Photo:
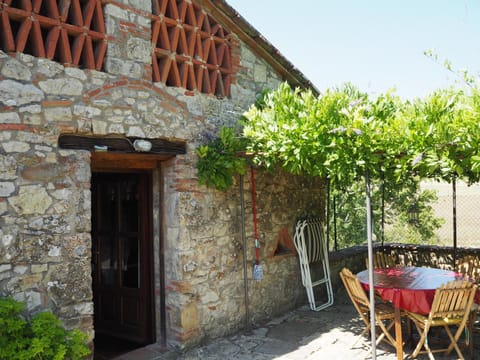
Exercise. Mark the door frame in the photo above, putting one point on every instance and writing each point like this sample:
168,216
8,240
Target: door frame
132,162
143,293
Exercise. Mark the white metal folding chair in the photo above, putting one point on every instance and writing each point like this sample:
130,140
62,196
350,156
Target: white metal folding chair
311,246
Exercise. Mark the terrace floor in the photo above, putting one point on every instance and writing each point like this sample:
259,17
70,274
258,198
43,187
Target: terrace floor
298,335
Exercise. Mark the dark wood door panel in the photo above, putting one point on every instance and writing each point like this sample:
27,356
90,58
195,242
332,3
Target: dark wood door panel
121,251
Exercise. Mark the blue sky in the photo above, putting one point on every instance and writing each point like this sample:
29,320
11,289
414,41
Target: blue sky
374,44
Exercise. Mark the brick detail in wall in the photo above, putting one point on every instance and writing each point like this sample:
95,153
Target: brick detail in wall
191,50
66,31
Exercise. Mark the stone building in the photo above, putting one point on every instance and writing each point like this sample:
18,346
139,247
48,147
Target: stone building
102,105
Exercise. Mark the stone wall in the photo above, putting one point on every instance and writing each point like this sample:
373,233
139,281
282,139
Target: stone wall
207,251
45,204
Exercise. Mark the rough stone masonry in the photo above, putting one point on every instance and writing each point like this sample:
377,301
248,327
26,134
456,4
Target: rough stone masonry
45,198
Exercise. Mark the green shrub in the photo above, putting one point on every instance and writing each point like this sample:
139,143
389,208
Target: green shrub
41,338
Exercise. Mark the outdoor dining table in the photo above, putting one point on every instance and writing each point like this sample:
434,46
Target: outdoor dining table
407,288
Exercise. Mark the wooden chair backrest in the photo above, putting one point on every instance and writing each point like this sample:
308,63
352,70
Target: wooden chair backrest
470,267
381,260
355,291
453,300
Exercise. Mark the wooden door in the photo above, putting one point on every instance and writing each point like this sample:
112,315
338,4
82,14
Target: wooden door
121,255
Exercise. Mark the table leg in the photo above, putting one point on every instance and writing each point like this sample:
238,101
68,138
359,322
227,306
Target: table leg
398,334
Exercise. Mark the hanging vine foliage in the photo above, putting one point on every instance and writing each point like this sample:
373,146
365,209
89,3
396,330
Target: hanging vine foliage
219,161
343,133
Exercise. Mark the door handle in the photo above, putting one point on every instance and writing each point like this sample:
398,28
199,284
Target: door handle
95,255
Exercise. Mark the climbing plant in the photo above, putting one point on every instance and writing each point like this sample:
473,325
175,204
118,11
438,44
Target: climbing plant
444,136
219,159
342,133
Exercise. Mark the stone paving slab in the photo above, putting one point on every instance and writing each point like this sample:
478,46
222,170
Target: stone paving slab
301,334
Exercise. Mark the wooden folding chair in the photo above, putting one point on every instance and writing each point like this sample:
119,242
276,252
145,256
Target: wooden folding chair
381,260
469,266
452,306
383,312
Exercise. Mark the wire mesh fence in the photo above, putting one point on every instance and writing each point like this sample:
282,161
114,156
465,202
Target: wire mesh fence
467,217
436,213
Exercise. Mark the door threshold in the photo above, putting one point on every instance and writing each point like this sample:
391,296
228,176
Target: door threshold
109,347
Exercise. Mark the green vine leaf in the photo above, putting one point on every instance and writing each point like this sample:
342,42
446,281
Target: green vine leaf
342,133
219,160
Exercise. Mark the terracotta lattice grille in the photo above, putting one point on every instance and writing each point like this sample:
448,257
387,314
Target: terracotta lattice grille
66,31
191,50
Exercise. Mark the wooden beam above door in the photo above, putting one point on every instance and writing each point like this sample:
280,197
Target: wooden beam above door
120,143
110,160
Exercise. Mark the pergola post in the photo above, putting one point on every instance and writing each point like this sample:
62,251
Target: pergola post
370,264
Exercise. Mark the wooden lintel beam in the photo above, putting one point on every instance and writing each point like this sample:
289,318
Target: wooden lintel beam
108,161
